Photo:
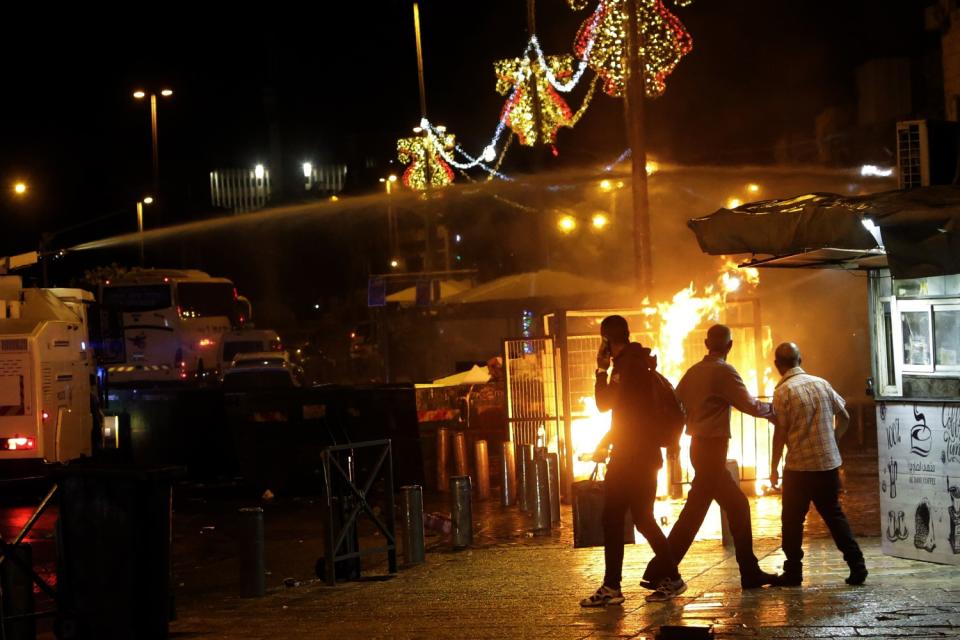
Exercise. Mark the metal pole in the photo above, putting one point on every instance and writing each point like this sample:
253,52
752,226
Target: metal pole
140,228
423,90
411,505
156,156
252,569
540,509
508,475
460,454
643,265
427,138
443,447
553,477
482,469
566,462
461,512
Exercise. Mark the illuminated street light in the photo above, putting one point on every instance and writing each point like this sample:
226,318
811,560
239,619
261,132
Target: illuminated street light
140,94
307,169
600,221
606,185
753,187
334,199
394,264
392,178
733,203
20,188
652,167
258,172
567,224
148,200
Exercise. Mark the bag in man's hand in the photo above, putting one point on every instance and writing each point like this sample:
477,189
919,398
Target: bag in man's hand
667,411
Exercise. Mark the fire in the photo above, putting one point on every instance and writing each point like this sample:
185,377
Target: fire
669,325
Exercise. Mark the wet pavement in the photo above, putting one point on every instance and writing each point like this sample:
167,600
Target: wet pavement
512,584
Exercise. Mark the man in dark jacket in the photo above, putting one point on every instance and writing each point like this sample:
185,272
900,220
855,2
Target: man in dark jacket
635,459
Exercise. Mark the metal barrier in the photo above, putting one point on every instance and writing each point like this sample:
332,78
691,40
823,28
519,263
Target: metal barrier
342,488
12,552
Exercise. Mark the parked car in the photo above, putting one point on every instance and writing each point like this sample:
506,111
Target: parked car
261,370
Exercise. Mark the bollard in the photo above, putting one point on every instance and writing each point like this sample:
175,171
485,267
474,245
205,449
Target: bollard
252,571
524,475
540,499
460,453
553,477
443,452
531,481
508,475
725,534
411,510
674,473
481,465
16,591
461,512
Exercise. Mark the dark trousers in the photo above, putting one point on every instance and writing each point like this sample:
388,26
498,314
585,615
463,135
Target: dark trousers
800,488
711,481
634,488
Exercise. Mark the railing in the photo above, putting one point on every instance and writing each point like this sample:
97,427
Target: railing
347,497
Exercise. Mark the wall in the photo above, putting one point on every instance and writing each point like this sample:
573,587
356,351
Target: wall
919,473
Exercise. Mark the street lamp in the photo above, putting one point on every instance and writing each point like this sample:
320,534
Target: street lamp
140,94
146,200
600,221
20,188
567,224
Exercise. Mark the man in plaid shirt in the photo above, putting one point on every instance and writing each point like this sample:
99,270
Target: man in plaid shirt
806,406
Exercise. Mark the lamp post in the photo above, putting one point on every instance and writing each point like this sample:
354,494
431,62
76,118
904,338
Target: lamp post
393,234
141,95
147,200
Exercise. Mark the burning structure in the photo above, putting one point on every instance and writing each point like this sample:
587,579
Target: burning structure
550,379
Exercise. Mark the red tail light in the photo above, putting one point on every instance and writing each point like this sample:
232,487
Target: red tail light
17,443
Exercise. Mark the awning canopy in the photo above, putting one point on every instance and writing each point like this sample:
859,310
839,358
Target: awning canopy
916,230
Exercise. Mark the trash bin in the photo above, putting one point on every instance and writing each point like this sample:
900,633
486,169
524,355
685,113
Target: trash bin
113,552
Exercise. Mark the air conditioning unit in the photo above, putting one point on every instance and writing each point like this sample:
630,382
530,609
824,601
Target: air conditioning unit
927,153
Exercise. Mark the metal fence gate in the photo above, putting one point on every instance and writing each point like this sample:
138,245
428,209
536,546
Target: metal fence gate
533,416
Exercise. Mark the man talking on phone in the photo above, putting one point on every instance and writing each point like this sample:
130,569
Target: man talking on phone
632,445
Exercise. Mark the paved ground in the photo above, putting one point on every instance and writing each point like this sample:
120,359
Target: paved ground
514,585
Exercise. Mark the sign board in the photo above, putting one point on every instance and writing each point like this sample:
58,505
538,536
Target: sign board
919,457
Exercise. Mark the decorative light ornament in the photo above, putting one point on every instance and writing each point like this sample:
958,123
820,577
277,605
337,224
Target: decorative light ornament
602,42
519,112
425,153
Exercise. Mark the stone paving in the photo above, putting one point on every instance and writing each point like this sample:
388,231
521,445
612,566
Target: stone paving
515,585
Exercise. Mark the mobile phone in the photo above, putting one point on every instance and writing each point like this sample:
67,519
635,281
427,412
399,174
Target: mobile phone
604,346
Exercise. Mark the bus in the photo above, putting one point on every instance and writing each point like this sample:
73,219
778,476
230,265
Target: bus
164,325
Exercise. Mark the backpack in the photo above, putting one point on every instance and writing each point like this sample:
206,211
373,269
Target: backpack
667,412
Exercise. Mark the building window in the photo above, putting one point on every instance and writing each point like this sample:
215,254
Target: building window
930,331
946,336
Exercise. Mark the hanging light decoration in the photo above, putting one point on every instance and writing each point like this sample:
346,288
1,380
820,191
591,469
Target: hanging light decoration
518,76
602,42
424,155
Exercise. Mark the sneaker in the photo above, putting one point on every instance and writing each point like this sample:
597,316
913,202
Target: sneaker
758,579
858,575
668,589
603,596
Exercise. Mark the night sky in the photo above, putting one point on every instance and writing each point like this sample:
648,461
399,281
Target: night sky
342,81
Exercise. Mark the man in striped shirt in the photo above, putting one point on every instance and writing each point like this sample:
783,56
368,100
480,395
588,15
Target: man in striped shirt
806,406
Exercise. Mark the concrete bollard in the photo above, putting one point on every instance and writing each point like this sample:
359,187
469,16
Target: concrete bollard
508,475
443,453
461,462
481,464
252,569
553,477
16,591
411,510
540,498
461,512
726,536
525,476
